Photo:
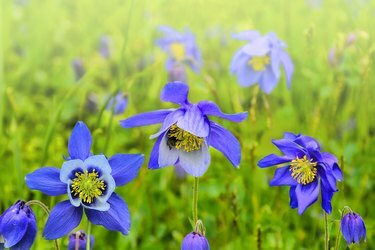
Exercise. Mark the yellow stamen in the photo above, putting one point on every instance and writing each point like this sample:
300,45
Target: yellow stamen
87,186
179,138
177,51
259,63
303,170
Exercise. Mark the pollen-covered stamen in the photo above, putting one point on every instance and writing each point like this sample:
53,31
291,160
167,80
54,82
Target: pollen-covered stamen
87,186
181,139
303,170
177,51
259,63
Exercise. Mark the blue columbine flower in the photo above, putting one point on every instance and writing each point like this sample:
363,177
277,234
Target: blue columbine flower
79,239
308,171
90,181
186,132
353,228
180,47
259,61
195,241
118,103
18,226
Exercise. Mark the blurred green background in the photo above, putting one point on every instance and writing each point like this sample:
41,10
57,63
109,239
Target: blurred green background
41,100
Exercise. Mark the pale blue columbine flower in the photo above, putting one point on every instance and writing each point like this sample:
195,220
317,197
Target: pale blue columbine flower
181,48
187,132
353,228
260,59
89,181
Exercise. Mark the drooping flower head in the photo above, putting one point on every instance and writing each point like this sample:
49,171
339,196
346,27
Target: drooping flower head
195,241
118,103
90,181
18,226
77,241
187,132
353,228
260,59
181,48
304,168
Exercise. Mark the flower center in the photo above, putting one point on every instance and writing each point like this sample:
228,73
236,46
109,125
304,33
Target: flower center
303,170
87,186
181,139
177,51
259,63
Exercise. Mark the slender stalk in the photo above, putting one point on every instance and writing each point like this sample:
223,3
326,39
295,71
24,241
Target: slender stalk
88,235
326,231
195,200
46,210
337,244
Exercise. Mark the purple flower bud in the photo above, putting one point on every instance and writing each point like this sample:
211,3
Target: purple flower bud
77,241
177,73
18,226
195,241
78,68
353,228
104,46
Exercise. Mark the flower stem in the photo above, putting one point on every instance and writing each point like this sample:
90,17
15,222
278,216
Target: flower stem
338,238
46,210
88,235
195,200
326,231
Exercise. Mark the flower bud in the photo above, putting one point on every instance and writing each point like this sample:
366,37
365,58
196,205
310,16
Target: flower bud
353,228
195,241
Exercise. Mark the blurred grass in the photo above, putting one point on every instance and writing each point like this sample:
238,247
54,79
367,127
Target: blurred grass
40,101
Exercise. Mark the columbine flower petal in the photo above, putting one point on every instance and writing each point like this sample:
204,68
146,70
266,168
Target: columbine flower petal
272,160
29,237
326,200
293,197
258,47
210,108
248,77
167,155
169,120
283,177
248,35
63,218
14,224
117,218
176,92
144,119
154,156
125,167
289,148
268,81
194,122
306,195
288,65
66,172
80,142
46,180
195,162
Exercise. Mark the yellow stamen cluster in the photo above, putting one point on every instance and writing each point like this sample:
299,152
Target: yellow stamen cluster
177,51
87,186
259,63
181,139
303,170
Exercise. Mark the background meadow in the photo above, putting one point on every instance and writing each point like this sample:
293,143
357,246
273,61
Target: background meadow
41,100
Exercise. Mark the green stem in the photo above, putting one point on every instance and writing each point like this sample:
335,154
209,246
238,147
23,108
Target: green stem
88,233
326,231
195,200
338,238
45,209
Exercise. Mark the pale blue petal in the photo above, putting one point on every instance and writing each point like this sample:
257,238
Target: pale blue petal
144,119
195,162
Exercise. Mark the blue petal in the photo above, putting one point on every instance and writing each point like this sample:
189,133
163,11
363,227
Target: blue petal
194,122
248,35
195,162
275,61
176,92
68,167
225,142
328,181
99,162
307,142
293,197
306,195
268,81
210,108
331,161
283,177
125,167
288,66
80,142
46,180
258,47
29,237
144,119
153,163
290,136
326,200
289,148
13,225
346,229
62,219
169,120
117,218
168,156
246,76
272,160
239,58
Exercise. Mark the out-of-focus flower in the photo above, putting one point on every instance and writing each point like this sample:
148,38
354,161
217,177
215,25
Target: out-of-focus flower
177,73
18,226
187,132
78,68
308,171
337,53
353,228
118,103
77,241
195,241
91,102
180,47
90,181
260,59
104,46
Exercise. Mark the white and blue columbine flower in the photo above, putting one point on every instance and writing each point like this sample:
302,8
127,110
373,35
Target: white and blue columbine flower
90,181
187,132
260,59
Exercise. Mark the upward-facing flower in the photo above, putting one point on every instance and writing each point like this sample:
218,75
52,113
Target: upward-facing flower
307,171
187,132
353,228
260,59
90,181
18,226
180,47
